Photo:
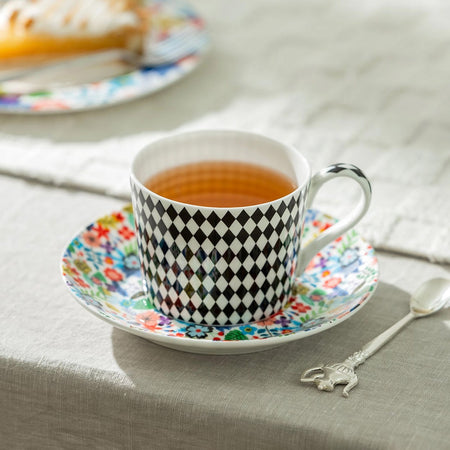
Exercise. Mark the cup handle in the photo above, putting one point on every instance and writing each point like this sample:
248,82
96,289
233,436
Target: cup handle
339,228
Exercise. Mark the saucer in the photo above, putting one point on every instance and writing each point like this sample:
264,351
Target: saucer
176,16
101,268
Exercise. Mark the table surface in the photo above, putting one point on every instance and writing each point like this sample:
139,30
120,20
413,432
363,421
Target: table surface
69,380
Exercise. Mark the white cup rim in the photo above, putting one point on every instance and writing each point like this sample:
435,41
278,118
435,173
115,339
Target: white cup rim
288,148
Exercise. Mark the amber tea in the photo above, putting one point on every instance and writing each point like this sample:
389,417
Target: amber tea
222,184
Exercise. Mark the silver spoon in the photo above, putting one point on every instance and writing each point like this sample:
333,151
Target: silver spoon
429,298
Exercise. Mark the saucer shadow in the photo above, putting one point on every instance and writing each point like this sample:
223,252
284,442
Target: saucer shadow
259,396
146,363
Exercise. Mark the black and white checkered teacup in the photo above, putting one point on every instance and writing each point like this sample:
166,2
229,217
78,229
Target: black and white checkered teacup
224,266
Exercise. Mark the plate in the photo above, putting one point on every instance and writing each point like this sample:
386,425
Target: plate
101,268
175,17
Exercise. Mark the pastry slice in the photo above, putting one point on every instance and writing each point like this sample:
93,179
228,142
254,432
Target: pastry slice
43,29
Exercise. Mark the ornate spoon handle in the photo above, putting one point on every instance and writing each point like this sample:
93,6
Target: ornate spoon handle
375,344
327,376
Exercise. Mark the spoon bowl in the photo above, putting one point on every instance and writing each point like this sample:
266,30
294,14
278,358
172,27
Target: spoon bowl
430,297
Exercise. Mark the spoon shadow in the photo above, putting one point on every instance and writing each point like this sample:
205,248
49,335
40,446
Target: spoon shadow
240,392
148,364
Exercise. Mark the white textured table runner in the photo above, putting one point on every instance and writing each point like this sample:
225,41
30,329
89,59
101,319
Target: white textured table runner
348,81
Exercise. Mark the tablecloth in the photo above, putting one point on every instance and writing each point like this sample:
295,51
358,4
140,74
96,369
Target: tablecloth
365,82
69,380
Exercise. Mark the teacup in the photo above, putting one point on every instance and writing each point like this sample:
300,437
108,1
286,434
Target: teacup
241,265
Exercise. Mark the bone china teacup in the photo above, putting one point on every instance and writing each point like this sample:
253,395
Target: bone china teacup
225,266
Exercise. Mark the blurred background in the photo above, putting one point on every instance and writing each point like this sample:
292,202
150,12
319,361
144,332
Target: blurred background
344,81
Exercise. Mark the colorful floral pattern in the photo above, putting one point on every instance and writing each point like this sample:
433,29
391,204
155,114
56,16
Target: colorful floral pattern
173,16
101,268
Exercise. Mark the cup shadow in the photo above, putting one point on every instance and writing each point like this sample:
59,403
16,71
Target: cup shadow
147,364
260,395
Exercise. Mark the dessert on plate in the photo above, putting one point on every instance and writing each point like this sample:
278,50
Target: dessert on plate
33,30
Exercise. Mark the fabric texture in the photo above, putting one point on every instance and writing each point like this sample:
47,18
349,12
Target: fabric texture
69,380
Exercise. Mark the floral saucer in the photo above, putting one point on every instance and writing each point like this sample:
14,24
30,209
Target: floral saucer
173,18
101,268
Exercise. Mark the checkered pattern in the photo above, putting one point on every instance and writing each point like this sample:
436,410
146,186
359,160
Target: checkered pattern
217,267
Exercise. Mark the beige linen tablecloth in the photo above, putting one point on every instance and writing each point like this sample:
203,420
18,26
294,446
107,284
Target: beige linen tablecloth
361,82
69,380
